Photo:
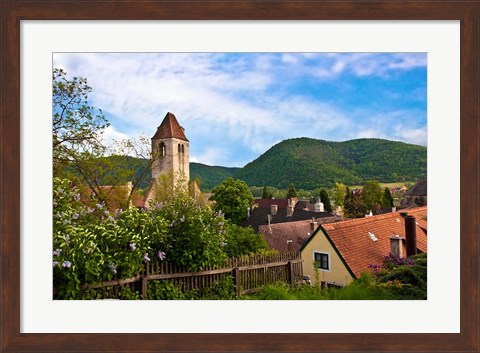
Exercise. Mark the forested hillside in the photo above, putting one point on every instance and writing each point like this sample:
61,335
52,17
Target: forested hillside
210,176
310,163
305,162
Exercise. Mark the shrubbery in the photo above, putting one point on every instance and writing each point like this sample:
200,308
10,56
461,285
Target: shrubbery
92,244
396,279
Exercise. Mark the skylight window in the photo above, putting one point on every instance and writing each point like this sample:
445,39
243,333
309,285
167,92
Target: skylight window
372,236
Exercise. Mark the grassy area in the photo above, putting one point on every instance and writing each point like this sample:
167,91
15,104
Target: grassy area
387,185
355,291
399,279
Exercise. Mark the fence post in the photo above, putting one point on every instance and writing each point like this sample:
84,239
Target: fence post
144,287
290,271
236,272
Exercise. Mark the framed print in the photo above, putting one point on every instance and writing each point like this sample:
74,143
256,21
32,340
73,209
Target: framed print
446,32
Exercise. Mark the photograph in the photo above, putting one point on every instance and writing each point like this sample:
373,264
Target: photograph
246,176
239,176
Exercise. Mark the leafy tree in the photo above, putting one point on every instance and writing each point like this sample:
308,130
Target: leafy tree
77,126
195,234
325,200
352,205
292,192
266,193
339,192
371,195
243,241
387,200
232,197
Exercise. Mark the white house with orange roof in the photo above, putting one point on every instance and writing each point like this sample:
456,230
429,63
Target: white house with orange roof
342,251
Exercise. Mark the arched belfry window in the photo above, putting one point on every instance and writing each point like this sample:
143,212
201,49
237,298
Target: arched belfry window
183,148
162,150
179,148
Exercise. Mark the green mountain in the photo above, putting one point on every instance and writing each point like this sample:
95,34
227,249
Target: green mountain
126,168
210,176
305,162
310,163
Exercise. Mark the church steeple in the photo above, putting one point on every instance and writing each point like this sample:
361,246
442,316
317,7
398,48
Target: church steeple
170,149
170,128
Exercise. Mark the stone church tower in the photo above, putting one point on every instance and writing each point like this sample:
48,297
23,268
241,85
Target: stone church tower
170,149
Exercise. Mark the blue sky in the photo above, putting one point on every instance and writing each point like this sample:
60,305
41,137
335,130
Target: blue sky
235,106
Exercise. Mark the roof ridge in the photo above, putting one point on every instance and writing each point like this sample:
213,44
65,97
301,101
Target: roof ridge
372,218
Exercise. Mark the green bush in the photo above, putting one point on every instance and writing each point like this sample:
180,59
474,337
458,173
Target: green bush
95,245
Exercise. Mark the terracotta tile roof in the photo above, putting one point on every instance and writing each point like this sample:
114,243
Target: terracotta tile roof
281,203
355,239
113,193
170,128
278,234
266,203
138,200
259,217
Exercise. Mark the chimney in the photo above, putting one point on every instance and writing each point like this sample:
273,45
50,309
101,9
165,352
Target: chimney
269,219
394,209
273,209
290,210
293,201
289,245
313,224
396,246
319,206
410,235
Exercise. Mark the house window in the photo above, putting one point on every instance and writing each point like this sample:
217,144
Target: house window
322,260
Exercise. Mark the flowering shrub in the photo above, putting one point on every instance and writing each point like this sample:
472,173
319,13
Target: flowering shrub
94,245
390,261
195,234
406,278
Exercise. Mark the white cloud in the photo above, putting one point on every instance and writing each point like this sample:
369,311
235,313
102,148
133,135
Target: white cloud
209,156
416,136
368,64
367,133
110,134
231,103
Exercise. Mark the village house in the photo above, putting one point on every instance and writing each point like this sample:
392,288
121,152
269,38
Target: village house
290,236
344,250
417,195
273,211
116,196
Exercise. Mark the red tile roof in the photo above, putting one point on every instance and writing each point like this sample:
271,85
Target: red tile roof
138,200
281,203
354,241
170,128
278,234
266,203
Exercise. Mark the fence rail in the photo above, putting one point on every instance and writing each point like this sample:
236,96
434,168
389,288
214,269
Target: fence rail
249,274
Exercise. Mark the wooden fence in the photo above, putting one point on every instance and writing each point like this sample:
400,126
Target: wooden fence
249,274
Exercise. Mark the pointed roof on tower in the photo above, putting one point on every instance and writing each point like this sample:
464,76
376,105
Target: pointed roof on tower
170,128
